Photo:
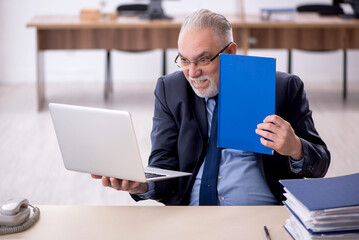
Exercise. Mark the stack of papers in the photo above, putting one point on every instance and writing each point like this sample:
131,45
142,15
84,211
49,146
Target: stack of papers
278,14
326,208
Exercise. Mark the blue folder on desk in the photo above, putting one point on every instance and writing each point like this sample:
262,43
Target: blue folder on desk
323,208
246,97
325,193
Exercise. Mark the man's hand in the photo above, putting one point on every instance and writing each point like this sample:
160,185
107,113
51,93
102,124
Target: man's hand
279,135
123,185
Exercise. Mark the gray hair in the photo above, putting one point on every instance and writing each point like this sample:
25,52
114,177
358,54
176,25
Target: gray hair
203,18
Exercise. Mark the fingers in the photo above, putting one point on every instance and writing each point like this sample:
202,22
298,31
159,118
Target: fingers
106,181
119,184
279,135
267,143
274,128
122,185
115,183
96,176
270,131
274,119
267,135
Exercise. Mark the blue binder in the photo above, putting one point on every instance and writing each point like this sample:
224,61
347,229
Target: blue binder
246,97
330,206
325,193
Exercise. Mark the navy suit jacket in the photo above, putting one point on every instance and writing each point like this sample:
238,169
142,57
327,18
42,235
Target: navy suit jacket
179,136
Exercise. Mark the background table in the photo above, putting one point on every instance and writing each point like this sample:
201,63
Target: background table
307,32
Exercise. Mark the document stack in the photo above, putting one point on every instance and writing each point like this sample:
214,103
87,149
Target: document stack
325,208
278,14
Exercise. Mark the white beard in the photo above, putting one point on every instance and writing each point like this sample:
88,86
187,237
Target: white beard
210,91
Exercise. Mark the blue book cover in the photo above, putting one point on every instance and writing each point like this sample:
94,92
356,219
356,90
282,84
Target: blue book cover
325,193
246,97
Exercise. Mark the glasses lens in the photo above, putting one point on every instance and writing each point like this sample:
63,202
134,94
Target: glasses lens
178,61
184,63
204,61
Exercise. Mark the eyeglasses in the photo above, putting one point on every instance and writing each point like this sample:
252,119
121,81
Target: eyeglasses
203,61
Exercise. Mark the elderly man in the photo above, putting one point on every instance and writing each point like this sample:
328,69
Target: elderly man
185,102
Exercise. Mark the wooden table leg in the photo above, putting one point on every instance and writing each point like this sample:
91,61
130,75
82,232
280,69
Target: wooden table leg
164,62
289,60
40,74
344,74
108,77
40,80
245,41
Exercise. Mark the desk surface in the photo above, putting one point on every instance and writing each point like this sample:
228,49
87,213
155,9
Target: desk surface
301,20
115,222
73,21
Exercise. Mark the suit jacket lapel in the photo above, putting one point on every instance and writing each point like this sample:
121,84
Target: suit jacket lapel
199,112
198,108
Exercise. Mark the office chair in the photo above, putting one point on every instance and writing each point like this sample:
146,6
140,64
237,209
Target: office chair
127,9
354,5
135,8
323,9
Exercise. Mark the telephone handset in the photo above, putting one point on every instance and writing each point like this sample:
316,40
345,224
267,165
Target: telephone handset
15,216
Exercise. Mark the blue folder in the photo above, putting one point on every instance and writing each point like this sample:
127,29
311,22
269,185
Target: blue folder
340,195
325,193
246,97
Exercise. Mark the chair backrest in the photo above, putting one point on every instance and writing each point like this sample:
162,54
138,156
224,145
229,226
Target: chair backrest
322,9
132,8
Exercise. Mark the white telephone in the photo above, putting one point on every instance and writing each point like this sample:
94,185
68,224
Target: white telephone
15,216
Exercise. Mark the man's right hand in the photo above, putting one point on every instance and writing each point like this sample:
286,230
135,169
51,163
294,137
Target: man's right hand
122,185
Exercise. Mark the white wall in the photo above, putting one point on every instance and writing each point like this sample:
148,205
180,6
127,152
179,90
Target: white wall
17,45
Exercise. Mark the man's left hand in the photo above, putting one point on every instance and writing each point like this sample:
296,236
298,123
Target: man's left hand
279,135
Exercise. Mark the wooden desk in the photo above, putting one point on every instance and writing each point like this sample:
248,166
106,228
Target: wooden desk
100,222
126,33
306,32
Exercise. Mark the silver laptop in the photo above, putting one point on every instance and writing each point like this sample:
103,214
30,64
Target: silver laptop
102,142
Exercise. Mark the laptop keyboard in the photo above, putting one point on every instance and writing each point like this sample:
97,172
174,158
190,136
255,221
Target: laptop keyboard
153,175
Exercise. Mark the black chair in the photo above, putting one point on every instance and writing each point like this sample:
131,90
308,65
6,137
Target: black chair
132,9
323,9
354,5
